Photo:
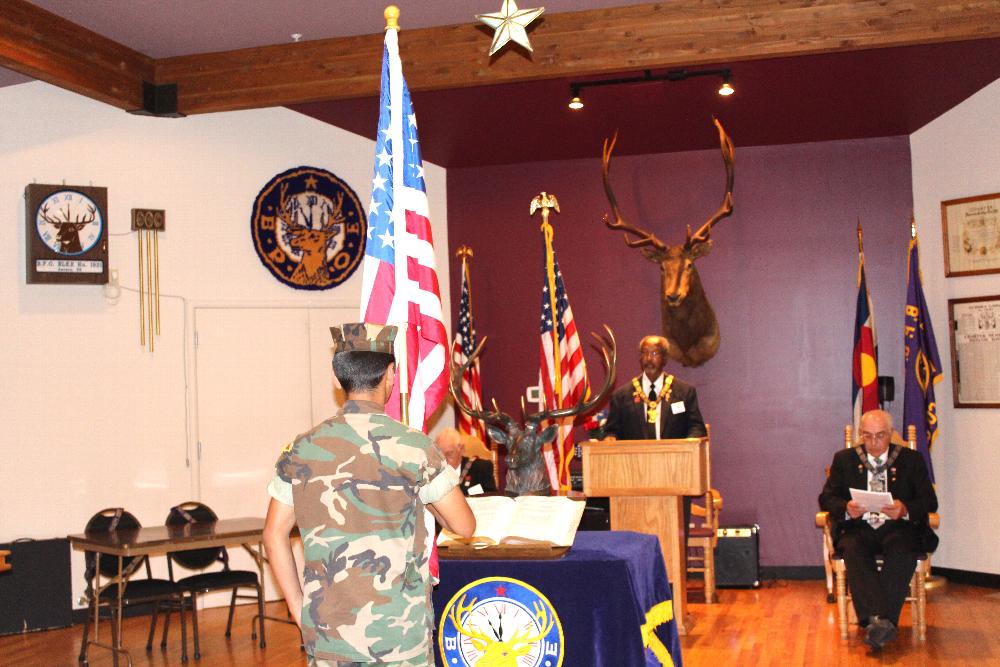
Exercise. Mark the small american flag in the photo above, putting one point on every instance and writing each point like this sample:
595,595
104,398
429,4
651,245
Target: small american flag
462,348
572,368
400,284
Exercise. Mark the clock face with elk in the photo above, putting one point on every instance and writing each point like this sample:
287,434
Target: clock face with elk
67,234
499,620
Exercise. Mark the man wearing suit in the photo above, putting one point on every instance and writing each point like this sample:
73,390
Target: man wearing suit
899,531
655,406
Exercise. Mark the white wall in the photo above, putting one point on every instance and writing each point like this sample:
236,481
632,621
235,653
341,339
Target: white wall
89,418
958,155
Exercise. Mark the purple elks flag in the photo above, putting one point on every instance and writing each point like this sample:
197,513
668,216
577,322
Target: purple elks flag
923,365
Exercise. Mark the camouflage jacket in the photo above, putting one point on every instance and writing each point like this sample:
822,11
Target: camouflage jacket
359,482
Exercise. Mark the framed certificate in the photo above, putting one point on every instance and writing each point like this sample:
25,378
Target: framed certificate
971,232
974,324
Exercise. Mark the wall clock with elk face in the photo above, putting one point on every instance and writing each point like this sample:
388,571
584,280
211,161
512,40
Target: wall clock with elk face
67,234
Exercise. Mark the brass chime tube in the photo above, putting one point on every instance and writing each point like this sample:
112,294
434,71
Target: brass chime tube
156,273
149,282
142,295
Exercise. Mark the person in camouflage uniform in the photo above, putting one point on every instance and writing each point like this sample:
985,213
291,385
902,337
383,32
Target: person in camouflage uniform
357,485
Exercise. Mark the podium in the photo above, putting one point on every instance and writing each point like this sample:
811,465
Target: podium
645,480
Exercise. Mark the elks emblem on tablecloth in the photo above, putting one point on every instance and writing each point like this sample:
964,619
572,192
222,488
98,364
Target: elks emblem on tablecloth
309,228
500,621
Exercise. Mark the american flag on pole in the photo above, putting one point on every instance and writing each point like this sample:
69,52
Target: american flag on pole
560,333
864,366
400,284
462,348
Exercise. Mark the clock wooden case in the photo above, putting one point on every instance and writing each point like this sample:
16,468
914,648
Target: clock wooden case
66,232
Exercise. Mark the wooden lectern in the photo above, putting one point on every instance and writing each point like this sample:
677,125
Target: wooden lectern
645,480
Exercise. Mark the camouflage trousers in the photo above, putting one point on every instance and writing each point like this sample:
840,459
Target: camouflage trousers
425,661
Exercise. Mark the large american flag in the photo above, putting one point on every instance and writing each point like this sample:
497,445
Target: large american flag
572,368
462,348
400,284
864,364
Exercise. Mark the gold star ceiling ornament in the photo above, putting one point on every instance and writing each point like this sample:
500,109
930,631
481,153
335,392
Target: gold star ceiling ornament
509,24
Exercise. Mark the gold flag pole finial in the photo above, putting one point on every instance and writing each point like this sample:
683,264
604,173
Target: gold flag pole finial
860,246
464,252
913,226
391,15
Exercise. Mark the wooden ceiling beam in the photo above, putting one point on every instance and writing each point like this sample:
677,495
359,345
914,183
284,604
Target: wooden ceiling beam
47,47
683,33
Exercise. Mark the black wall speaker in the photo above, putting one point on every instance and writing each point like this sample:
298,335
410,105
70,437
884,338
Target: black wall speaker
737,557
886,389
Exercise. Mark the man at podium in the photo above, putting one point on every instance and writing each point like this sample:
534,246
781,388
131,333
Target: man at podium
655,406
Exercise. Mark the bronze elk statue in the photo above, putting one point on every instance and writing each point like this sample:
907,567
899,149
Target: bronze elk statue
525,463
689,323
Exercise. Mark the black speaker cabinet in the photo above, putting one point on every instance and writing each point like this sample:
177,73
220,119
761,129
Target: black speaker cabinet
35,593
737,557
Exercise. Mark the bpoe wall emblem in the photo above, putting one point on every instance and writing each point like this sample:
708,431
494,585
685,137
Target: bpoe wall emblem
500,621
309,228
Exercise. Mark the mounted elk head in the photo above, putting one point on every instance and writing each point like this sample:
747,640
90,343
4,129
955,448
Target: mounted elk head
689,322
525,466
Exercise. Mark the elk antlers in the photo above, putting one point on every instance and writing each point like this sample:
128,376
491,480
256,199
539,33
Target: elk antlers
645,238
496,417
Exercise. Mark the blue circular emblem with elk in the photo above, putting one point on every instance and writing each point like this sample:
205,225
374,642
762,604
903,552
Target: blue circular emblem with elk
309,228
500,622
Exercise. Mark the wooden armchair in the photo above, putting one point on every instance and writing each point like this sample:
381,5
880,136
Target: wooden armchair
836,570
703,531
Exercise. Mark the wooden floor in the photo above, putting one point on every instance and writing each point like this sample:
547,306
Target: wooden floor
783,623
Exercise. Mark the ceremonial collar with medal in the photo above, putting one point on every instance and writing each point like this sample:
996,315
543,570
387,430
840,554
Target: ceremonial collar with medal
872,468
652,407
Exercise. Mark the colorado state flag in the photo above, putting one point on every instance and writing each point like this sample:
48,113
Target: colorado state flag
864,371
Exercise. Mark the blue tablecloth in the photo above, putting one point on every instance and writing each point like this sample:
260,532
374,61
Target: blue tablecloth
610,591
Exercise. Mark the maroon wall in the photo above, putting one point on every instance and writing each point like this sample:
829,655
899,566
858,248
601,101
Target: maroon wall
781,278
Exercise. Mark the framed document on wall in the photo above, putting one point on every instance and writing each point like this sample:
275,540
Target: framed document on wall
971,232
974,324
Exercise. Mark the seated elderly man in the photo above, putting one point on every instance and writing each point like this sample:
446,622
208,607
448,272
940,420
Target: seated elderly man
471,458
898,532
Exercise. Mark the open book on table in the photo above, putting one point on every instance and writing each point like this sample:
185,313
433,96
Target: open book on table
525,520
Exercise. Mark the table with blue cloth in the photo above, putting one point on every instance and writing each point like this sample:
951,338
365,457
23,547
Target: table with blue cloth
610,593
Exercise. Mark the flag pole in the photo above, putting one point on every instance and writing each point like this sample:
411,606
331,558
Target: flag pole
391,15
545,202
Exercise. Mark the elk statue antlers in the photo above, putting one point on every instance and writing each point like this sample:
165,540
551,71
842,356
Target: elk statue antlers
525,466
689,323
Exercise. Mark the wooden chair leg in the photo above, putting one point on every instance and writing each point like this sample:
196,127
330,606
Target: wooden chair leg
841,583
710,596
831,595
920,602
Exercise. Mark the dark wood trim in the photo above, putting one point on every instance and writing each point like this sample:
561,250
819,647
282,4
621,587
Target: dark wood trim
42,45
799,572
982,579
571,44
